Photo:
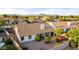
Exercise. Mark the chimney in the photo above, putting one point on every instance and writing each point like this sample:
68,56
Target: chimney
68,23
42,26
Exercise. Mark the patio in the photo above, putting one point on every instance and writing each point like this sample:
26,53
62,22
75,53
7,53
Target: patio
37,45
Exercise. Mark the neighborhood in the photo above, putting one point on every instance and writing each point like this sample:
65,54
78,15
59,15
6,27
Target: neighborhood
37,34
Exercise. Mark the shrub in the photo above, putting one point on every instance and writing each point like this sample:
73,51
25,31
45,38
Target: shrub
10,47
56,44
56,39
47,39
59,38
37,38
8,42
73,44
58,31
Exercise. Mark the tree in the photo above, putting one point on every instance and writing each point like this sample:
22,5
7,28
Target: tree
73,34
37,38
10,47
58,31
73,44
47,39
1,22
8,42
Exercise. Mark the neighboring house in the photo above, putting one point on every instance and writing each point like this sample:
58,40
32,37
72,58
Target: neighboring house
65,25
9,21
1,37
27,32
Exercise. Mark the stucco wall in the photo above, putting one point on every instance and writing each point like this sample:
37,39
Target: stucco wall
26,38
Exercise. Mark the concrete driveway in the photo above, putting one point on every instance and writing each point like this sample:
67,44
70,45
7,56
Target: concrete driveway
37,45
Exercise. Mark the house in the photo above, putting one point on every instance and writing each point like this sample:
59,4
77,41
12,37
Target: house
27,32
9,21
65,25
1,37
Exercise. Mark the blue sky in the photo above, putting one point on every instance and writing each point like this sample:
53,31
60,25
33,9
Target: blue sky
30,11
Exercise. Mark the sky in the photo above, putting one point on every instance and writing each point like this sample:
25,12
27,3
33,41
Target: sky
35,11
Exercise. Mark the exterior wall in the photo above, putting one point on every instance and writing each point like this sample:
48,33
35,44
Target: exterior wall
1,39
26,38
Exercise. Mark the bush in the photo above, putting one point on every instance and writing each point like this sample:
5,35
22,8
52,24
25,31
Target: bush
37,38
73,44
47,39
8,42
56,38
56,44
10,47
59,38
58,31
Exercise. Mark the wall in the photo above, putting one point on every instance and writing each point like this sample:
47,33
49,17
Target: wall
1,39
26,38
61,47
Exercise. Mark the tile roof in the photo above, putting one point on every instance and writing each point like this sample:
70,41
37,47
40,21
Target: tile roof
32,29
64,24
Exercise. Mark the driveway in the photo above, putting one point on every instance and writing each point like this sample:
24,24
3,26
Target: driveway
37,45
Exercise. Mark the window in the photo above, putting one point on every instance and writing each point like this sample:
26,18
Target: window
30,36
22,38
